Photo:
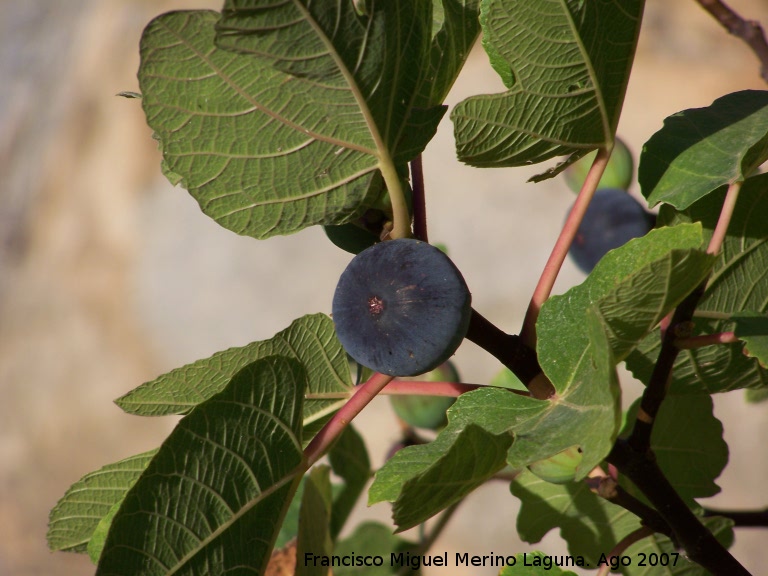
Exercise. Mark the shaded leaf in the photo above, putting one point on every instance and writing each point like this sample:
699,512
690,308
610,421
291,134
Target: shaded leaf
737,284
78,513
566,66
752,329
663,549
458,461
221,481
687,440
99,536
700,149
349,460
314,522
534,564
589,524
311,339
633,287
376,540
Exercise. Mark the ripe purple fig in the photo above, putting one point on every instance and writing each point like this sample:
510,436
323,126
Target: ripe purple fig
401,307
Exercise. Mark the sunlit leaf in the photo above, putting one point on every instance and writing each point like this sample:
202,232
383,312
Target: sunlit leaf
566,66
700,149
220,482
310,339
78,513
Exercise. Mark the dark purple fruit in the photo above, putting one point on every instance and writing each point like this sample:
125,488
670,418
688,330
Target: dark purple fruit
613,218
401,307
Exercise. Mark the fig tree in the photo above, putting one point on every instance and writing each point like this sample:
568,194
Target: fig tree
401,307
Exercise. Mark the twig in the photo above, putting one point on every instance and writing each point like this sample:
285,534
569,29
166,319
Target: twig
706,340
560,251
609,489
512,352
336,425
750,31
654,393
419,200
742,518
699,543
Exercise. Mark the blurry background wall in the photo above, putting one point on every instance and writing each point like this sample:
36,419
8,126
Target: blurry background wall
109,276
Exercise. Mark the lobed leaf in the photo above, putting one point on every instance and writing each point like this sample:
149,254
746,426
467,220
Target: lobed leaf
700,149
632,288
737,283
589,524
566,67
77,514
277,117
213,497
687,440
489,428
311,339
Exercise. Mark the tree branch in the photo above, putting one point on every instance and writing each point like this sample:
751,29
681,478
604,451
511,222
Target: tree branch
750,31
419,200
699,543
742,518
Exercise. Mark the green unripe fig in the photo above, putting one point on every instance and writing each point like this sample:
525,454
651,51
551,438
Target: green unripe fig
560,468
427,411
618,173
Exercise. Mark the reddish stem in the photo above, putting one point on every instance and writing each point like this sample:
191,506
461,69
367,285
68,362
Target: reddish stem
706,340
560,251
336,425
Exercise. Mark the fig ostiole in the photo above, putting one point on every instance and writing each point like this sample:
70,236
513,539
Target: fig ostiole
560,468
401,307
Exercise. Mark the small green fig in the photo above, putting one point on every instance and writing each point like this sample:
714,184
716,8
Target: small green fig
560,468
422,411
618,173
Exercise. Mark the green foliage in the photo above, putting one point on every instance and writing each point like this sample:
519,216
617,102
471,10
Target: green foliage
565,90
280,116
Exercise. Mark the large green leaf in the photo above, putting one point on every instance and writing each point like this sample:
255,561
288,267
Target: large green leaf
75,517
277,117
455,27
701,149
738,283
213,498
566,65
687,440
589,524
424,479
310,339
478,440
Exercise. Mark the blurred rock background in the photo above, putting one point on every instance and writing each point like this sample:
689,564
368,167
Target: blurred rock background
109,276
